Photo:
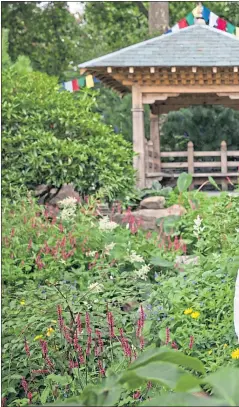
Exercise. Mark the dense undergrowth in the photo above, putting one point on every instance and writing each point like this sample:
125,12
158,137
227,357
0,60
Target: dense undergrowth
83,297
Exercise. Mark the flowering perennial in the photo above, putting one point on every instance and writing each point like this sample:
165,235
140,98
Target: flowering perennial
107,225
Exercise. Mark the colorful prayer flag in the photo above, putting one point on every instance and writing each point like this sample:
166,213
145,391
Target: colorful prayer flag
190,19
68,86
183,23
89,81
197,11
221,24
81,81
230,28
75,85
175,28
213,19
205,14
96,80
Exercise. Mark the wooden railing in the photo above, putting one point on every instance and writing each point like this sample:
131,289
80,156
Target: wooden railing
220,164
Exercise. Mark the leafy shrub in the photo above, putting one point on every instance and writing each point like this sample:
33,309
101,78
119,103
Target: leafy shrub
53,137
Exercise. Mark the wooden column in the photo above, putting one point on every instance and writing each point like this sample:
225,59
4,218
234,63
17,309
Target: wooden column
224,163
138,135
155,136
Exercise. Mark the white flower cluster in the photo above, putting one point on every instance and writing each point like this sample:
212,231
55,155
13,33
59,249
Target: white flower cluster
142,272
91,254
69,208
96,288
135,258
109,247
197,227
106,225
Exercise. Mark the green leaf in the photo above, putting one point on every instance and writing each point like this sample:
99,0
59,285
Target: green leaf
11,390
166,355
62,380
213,182
188,382
225,383
158,261
163,372
44,395
184,181
182,399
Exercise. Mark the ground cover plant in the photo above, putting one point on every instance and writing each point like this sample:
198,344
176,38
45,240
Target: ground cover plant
83,297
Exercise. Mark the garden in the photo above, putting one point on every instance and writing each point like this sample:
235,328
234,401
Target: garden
97,311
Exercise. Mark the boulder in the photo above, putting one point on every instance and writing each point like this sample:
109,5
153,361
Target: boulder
148,217
186,260
153,202
67,191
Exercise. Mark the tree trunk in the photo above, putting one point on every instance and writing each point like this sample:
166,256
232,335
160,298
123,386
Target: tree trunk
158,16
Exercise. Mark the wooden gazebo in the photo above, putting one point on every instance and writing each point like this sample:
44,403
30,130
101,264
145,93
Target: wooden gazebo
197,65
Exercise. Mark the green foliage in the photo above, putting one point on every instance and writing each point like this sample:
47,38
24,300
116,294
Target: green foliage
48,35
54,138
184,181
206,127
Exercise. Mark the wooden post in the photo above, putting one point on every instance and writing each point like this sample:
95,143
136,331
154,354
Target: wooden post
190,158
138,135
190,161
155,136
224,163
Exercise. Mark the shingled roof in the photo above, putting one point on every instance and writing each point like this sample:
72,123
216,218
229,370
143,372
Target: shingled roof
196,45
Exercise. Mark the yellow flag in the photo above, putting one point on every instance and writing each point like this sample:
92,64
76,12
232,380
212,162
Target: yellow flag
197,11
89,81
237,31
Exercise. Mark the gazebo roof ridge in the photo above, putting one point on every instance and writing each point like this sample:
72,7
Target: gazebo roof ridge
220,40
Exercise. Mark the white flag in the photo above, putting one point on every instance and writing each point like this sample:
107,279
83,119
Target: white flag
175,28
68,86
213,19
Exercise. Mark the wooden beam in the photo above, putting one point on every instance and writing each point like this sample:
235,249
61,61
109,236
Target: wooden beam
232,89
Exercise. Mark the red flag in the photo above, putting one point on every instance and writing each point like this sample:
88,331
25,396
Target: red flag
75,85
221,24
183,23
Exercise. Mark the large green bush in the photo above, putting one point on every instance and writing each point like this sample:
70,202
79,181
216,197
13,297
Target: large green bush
53,137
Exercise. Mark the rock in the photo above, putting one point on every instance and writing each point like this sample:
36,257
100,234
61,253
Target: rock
66,191
185,260
149,216
41,189
153,202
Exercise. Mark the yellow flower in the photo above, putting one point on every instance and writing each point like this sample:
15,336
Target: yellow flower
53,321
50,331
225,345
195,314
22,302
210,352
188,311
235,354
38,337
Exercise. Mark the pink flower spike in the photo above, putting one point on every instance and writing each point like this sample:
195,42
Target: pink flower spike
167,336
24,385
191,342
